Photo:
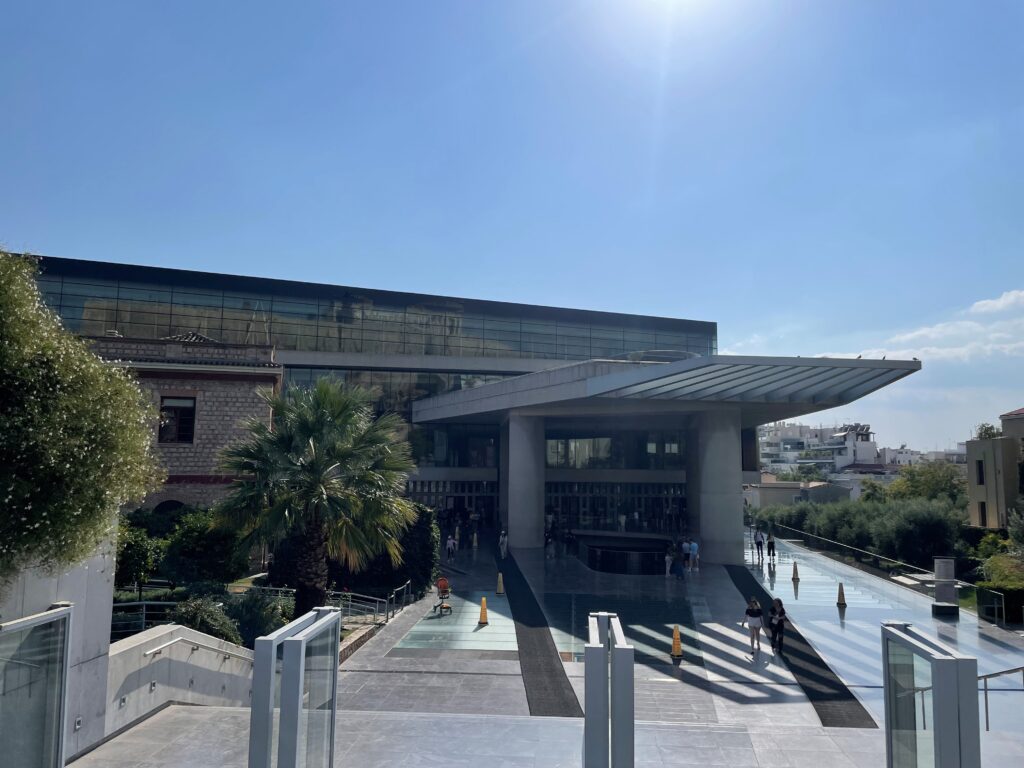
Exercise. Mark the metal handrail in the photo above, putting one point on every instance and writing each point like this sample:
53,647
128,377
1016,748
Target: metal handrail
196,645
984,681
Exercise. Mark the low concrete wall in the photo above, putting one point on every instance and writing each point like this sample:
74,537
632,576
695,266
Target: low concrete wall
137,684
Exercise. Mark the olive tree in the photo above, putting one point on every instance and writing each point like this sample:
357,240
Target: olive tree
75,434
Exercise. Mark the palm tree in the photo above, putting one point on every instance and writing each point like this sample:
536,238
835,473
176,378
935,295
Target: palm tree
328,475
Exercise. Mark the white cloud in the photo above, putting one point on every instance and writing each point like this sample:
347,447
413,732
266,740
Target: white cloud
1009,300
959,340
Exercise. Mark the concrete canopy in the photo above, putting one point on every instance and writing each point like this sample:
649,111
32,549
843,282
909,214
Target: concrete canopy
765,389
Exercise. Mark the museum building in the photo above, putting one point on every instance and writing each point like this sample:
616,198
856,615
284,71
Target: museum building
607,426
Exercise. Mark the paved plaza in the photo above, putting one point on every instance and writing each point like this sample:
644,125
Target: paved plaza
433,690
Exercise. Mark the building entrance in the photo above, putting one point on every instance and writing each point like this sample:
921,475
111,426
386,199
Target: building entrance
623,507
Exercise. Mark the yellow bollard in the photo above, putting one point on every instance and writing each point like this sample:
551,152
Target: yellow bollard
677,644
474,539
841,599
796,573
501,584
483,611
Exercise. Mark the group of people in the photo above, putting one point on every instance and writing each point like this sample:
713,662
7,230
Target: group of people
759,542
754,618
682,558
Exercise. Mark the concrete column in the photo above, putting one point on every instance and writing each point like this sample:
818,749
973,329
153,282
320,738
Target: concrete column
720,486
523,490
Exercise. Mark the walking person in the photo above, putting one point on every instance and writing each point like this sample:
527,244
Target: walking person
503,544
771,547
759,543
694,555
777,624
450,547
754,618
668,563
684,551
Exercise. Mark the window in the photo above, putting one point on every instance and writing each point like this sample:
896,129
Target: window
177,419
982,514
979,470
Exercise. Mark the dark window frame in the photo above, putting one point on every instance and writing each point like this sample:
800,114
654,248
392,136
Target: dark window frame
177,421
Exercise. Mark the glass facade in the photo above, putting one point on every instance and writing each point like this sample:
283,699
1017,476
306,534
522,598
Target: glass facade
150,303
616,450
624,507
94,299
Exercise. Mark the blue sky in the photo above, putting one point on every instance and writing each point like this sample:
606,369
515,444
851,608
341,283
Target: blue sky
817,177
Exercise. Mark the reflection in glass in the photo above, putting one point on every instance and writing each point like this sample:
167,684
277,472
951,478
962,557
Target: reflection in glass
31,695
320,672
911,707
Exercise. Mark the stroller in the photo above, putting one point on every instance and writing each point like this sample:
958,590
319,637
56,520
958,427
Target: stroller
444,593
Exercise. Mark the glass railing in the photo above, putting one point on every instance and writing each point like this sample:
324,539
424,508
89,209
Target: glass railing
987,604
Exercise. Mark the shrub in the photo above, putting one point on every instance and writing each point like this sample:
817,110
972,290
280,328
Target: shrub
137,556
75,434
1004,571
198,550
205,615
256,615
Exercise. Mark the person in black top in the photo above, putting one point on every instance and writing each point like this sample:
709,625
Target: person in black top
771,547
777,623
754,618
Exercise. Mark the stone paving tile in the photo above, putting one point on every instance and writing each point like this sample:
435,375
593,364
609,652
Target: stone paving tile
216,737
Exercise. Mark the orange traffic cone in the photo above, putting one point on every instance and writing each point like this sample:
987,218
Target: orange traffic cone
677,644
501,584
483,612
841,599
796,573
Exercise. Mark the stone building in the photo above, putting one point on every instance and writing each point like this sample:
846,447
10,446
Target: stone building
205,392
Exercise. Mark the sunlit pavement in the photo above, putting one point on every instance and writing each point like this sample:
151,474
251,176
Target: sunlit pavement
851,643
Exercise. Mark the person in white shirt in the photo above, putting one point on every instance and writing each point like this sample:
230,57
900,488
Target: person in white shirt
503,544
694,555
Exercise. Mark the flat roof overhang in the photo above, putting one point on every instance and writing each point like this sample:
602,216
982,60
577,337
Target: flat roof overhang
765,389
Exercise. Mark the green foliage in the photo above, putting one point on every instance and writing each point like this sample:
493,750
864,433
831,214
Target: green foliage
912,531
199,550
421,546
75,434
328,474
138,556
934,480
159,525
204,614
991,544
986,431
1004,571
872,490
1015,524
256,615
804,473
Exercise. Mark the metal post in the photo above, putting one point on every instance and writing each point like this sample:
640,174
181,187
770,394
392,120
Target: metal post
986,702
595,693
622,706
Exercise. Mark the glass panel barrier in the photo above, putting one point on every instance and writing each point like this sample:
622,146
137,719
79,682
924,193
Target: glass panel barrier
33,683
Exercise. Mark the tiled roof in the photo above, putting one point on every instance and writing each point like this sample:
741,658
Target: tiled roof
1013,414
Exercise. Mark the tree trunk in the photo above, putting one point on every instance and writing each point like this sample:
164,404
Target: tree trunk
310,569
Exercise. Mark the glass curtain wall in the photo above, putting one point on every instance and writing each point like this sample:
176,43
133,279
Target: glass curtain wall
348,322
624,507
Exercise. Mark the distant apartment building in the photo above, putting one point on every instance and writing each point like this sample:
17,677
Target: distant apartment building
994,476
785,446
899,457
